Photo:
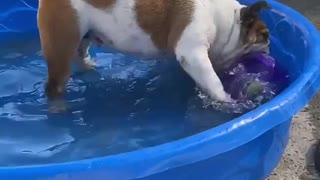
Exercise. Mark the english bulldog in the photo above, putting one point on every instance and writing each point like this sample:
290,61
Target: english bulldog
204,35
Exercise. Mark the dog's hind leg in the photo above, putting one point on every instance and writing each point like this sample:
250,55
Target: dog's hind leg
60,39
84,59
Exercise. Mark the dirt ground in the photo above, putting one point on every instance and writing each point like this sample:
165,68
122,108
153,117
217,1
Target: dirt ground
297,162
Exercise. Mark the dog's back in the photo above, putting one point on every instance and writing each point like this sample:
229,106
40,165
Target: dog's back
142,26
133,26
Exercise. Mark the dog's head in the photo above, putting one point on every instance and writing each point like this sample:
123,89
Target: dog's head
248,34
254,34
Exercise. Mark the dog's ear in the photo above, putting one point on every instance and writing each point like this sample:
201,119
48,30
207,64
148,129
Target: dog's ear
255,8
251,13
255,30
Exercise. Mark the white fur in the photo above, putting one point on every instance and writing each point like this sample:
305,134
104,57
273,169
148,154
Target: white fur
212,37
117,26
192,51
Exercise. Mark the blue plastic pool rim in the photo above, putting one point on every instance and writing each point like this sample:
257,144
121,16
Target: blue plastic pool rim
219,139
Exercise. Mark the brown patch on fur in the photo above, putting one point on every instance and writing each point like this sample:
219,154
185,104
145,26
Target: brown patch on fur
101,4
60,38
164,20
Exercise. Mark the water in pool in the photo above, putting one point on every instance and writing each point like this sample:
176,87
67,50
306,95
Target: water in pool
124,105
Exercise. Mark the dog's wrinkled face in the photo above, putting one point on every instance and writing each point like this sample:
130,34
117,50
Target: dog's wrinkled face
251,35
254,34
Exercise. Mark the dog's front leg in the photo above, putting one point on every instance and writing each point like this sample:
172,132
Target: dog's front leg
197,64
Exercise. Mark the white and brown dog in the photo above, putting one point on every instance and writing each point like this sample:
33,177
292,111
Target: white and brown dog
205,35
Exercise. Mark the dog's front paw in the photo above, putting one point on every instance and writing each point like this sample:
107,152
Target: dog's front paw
228,98
222,96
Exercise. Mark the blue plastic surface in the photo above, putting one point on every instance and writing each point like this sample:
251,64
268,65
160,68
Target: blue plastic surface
248,147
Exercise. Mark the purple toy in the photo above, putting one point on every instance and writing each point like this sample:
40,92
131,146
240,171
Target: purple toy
254,78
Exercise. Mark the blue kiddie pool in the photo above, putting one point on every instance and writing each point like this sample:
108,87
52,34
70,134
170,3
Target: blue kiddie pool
36,146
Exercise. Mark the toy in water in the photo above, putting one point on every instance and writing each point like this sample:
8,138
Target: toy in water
255,79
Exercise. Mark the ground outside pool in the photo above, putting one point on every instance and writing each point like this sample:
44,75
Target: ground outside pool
128,119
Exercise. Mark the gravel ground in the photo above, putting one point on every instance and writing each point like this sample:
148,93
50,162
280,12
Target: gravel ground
297,162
